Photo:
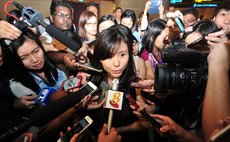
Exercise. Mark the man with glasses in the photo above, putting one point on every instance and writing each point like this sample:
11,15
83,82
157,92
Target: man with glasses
190,17
61,16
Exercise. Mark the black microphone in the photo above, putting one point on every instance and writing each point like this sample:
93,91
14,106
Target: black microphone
49,112
35,18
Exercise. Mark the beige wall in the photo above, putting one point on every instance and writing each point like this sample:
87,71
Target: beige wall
105,6
136,5
42,5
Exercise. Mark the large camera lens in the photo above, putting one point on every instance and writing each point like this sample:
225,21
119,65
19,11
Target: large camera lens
167,77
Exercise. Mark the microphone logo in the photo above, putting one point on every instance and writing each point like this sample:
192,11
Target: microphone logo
114,98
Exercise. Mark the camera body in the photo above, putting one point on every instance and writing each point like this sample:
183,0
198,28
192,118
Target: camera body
184,69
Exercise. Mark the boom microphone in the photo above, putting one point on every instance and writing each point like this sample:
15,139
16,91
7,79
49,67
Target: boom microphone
35,18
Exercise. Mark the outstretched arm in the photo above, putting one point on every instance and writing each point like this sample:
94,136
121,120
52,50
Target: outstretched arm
217,94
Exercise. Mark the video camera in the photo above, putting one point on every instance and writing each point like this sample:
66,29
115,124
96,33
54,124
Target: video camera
185,68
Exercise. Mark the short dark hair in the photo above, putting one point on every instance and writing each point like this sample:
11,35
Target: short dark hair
90,4
192,11
128,13
118,8
56,3
107,17
225,6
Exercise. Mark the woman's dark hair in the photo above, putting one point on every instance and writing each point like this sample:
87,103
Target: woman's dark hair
153,30
106,17
107,44
6,58
128,13
205,27
22,74
224,6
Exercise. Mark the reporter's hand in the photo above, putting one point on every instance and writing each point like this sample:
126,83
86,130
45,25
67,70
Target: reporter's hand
74,137
84,49
94,104
8,31
113,135
70,62
149,86
26,137
147,6
168,125
215,38
26,101
84,78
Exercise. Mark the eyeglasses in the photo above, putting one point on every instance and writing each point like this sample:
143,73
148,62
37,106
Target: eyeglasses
62,16
91,23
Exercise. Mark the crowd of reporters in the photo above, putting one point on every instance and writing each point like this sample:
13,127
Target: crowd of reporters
31,59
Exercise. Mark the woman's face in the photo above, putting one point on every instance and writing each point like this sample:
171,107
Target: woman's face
160,40
31,55
221,19
116,65
105,25
128,22
91,26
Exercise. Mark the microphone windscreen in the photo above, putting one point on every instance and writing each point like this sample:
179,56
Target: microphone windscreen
61,37
45,114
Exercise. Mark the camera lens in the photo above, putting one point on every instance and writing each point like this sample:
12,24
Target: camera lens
168,77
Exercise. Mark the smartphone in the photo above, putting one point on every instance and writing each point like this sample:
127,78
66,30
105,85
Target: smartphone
180,24
78,128
72,83
88,89
222,136
153,8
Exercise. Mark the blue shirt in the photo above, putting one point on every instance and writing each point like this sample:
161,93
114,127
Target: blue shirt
42,83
